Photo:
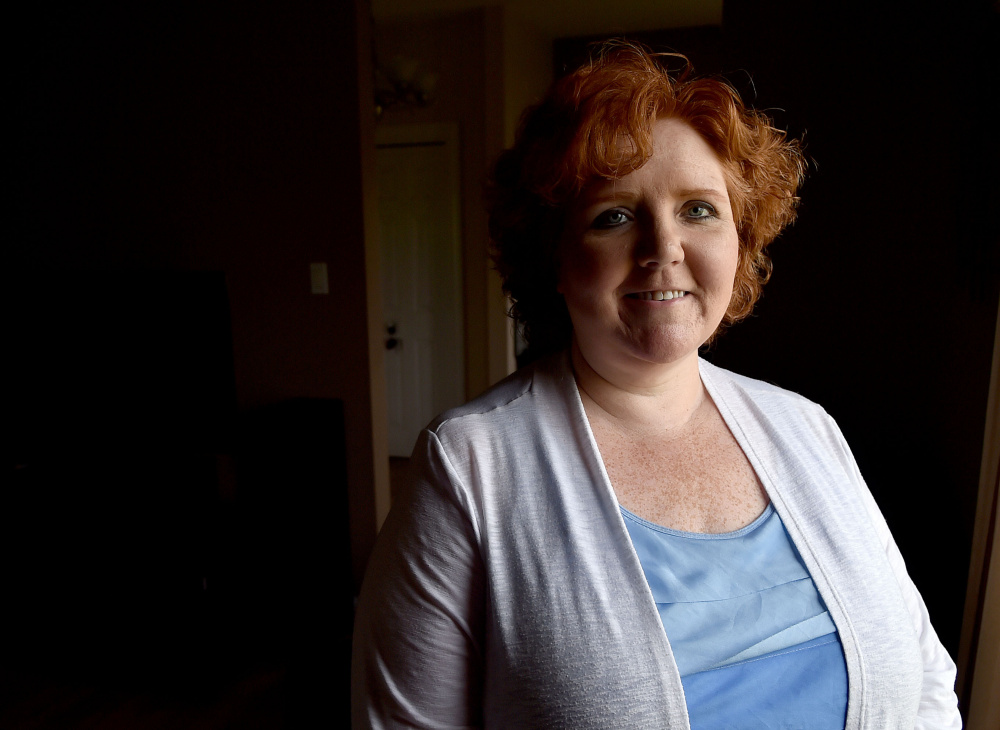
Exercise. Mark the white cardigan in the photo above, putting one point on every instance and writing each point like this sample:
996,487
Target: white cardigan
504,591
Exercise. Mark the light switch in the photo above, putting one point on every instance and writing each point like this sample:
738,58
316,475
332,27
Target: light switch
319,280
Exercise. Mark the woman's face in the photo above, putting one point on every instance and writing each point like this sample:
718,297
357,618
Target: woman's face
647,262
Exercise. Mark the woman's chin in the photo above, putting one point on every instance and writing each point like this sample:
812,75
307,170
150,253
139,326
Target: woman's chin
641,355
665,348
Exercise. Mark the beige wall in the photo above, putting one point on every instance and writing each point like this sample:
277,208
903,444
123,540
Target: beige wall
527,66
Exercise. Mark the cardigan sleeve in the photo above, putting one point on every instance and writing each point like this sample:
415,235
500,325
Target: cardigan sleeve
938,702
418,653
938,709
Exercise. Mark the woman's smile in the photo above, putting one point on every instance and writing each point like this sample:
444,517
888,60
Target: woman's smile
658,296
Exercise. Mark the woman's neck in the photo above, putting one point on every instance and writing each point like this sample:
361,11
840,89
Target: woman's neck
663,398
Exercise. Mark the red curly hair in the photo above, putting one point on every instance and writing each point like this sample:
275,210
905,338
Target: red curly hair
597,123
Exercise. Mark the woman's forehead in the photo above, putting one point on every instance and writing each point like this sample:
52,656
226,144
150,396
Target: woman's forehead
679,156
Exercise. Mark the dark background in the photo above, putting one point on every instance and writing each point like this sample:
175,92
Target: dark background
175,518
186,138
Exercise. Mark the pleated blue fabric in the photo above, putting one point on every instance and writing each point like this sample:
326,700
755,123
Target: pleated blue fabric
753,640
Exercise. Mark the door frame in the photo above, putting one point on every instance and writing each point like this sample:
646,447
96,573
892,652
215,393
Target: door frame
978,655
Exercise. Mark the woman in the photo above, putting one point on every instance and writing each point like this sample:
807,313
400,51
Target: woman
621,534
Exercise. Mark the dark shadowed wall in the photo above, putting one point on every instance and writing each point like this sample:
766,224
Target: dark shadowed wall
210,137
156,140
884,295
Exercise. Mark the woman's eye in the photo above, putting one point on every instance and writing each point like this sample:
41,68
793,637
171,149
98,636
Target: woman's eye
611,218
700,210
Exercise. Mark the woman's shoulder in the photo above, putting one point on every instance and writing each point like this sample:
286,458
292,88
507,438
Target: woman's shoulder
530,394
725,383
528,424
762,408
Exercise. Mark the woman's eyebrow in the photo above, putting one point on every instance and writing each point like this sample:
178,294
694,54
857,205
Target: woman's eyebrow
624,194
703,192
608,194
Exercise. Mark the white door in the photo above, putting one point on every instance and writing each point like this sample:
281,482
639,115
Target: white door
418,192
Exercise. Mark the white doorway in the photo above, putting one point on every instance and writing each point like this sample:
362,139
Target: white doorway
420,228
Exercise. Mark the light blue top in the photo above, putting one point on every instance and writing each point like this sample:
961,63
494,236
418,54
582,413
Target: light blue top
754,643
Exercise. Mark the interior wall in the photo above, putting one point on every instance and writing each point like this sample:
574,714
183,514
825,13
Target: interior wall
194,136
527,65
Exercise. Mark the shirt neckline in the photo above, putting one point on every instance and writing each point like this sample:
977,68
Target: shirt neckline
741,532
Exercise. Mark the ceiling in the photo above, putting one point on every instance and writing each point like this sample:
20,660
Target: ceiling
571,18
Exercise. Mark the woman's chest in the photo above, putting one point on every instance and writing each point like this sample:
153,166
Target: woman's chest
702,483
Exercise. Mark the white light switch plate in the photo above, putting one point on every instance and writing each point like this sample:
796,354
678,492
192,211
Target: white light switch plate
319,280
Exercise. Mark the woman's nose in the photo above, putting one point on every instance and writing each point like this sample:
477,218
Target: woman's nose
660,246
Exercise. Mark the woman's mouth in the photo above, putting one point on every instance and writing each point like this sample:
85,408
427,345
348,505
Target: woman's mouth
658,296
